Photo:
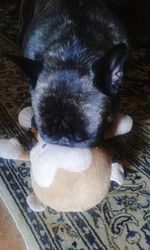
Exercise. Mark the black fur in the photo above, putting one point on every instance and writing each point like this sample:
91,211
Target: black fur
76,51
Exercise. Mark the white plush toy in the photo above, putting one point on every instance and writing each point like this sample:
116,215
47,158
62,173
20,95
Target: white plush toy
67,179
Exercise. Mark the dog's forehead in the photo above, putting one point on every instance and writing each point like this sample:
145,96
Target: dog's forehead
95,110
86,100
81,90
69,77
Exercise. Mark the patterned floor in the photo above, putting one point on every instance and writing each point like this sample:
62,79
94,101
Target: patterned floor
122,220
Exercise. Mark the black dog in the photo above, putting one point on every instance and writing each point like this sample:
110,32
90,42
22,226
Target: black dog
74,55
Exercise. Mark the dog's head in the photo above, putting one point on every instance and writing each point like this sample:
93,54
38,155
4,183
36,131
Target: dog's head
71,104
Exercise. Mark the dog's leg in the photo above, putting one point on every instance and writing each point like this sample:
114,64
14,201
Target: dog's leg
120,124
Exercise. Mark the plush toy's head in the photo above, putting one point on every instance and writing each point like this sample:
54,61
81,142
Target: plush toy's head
46,159
69,179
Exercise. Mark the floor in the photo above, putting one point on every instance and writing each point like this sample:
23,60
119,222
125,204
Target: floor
10,238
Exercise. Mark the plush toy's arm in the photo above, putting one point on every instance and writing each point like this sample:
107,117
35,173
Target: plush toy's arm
12,149
120,124
25,117
25,120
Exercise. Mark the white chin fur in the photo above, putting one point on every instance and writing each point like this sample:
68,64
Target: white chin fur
46,159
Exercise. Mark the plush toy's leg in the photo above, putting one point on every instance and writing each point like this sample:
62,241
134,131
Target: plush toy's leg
119,125
117,173
25,117
11,149
34,203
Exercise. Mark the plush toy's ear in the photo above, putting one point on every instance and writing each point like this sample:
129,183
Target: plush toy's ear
31,68
109,70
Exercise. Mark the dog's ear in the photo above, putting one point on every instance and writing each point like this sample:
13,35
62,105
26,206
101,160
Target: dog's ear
31,68
108,70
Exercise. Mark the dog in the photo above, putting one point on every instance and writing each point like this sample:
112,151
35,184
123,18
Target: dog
74,55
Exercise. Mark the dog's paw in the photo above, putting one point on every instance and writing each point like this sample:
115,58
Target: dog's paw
34,203
117,173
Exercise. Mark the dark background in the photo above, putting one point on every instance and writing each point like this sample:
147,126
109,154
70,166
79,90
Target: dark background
134,13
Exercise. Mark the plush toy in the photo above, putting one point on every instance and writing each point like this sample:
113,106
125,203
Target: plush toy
63,178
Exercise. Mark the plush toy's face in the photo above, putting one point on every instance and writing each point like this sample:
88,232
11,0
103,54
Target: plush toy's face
51,157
